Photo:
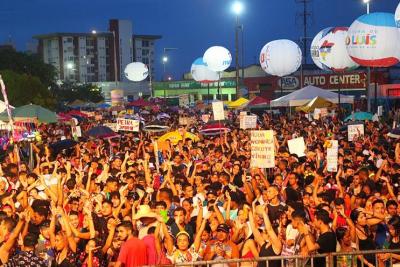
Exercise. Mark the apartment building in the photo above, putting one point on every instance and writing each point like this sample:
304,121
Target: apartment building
97,56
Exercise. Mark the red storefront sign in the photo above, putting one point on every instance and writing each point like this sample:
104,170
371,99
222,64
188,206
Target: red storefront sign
354,80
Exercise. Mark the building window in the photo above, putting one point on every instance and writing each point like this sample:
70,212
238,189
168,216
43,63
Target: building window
145,60
145,43
145,52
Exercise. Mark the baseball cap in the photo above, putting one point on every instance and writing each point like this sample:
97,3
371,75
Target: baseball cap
223,228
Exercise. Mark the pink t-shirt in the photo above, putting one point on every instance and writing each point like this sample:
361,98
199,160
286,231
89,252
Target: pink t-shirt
133,253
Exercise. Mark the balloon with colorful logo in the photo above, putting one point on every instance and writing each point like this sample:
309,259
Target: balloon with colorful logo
333,52
315,56
280,57
397,16
373,40
217,58
201,73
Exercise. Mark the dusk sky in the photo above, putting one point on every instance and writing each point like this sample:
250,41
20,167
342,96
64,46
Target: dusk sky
189,25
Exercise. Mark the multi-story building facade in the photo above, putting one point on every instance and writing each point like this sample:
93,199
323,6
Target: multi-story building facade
96,56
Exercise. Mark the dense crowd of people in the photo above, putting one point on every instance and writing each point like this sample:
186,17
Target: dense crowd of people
126,201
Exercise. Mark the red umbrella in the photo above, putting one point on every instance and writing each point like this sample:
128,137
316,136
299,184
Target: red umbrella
214,128
77,113
258,101
140,103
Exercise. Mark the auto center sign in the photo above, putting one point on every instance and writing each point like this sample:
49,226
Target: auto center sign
327,81
354,80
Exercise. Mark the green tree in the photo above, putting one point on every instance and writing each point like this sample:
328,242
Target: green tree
69,92
24,89
29,64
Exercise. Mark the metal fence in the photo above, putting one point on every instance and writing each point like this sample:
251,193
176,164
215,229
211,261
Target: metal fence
338,259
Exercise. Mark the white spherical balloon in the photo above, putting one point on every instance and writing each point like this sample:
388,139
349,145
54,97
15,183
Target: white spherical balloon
201,72
315,56
217,58
333,52
373,40
136,71
280,57
397,16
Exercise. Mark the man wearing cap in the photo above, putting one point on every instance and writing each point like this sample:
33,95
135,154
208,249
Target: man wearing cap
222,248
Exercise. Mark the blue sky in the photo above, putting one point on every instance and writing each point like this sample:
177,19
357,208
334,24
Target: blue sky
189,25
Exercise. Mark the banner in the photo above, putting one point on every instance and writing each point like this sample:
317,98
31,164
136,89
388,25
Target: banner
218,110
184,100
248,122
262,149
332,156
128,125
297,146
355,130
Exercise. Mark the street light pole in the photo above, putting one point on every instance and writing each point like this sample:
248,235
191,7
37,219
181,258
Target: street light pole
237,55
237,8
367,2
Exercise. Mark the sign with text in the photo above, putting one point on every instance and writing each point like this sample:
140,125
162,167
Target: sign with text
355,130
262,149
218,110
128,125
184,100
297,146
76,131
332,156
248,122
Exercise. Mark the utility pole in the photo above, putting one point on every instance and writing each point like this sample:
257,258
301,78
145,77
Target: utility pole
303,18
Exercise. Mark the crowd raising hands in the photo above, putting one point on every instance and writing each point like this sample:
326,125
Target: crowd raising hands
128,201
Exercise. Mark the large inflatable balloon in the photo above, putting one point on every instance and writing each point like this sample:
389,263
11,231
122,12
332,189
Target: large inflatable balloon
315,48
373,40
333,53
136,71
280,57
397,16
201,72
217,58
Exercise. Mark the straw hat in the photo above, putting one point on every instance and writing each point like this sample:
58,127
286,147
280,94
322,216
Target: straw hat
144,212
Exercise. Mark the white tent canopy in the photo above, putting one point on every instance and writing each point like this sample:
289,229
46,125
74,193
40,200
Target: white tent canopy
308,93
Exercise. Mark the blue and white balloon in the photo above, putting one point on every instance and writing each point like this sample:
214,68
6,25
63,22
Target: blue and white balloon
201,73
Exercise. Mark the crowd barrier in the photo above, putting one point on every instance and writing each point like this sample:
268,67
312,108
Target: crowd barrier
331,260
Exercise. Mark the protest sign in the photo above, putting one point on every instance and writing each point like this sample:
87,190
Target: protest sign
248,122
218,110
332,156
184,100
355,130
262,149
76,131
128,125
297,146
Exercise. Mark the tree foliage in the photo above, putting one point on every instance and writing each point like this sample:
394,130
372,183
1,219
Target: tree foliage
24,89
69,91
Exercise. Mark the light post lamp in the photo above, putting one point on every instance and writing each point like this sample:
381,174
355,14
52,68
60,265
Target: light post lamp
164,61
367,2
237,8
70,66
